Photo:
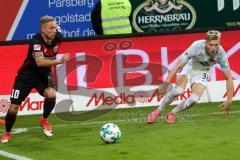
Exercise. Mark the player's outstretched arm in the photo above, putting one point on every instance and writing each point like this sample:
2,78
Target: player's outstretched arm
170,75
41,61
225,106
176,68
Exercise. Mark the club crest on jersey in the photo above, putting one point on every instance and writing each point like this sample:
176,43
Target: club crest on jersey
55,49
37,47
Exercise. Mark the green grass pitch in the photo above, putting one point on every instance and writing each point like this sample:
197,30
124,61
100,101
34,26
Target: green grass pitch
205,134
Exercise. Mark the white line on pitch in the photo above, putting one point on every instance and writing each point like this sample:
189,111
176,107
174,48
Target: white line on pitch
133,120
13,156
130,120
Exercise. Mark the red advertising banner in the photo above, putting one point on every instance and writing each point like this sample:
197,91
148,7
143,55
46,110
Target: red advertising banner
12,15
118,62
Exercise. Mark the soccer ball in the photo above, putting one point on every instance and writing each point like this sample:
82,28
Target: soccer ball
110,133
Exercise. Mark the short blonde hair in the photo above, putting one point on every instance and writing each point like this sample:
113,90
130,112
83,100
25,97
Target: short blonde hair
46,19
213,35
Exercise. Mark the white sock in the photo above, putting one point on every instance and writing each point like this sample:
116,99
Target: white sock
179,107
166,101
169,98
186,103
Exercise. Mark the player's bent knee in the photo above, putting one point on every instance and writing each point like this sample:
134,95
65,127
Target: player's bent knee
176,91
50,93
13,109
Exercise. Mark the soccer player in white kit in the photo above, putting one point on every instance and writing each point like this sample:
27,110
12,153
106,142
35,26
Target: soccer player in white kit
194,66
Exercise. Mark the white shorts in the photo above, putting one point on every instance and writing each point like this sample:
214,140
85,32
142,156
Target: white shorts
195,76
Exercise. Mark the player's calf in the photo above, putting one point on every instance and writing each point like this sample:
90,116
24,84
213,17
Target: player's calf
169,98
182,106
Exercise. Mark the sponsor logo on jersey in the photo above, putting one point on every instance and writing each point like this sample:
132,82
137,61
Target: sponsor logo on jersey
37,47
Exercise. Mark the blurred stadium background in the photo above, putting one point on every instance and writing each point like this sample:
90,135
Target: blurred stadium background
96,78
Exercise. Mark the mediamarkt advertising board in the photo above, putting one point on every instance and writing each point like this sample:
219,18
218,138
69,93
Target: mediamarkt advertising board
118,73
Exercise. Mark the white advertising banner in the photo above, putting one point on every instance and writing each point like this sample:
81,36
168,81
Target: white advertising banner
144,96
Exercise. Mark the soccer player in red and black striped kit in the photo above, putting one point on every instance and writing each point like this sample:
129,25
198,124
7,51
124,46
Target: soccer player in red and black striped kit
35,73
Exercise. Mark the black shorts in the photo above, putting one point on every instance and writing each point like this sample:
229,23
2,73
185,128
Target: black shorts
24,83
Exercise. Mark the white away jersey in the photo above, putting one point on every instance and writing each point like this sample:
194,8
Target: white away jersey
197,57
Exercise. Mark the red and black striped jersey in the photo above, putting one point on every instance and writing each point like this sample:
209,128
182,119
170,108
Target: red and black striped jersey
37,44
